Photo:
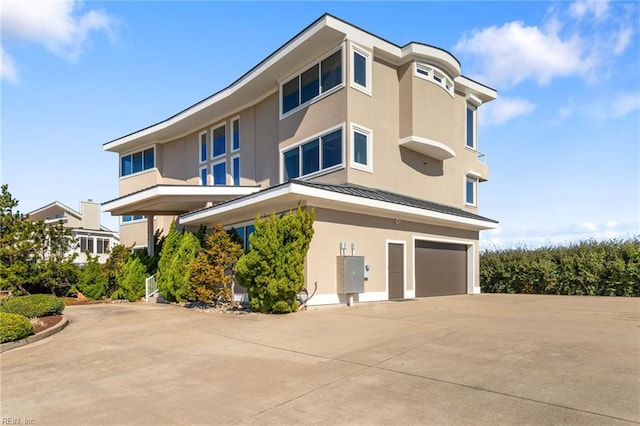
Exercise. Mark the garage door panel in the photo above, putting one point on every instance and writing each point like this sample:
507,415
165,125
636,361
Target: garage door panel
441,269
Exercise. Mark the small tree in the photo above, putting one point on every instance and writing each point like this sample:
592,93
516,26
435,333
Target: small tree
131,281
164,275
208,281
114,265
273,271
179,249
53,258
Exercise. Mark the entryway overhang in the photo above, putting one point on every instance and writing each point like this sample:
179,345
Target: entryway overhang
171,200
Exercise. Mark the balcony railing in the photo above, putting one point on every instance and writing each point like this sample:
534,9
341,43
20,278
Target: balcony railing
482,157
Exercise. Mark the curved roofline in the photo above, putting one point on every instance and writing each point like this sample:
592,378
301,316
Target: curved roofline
247,75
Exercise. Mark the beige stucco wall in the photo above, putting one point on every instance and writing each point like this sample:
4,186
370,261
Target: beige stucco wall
371,235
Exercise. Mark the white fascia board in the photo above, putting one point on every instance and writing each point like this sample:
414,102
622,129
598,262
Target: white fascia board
59,205
484,93
159,191
432,54
320,194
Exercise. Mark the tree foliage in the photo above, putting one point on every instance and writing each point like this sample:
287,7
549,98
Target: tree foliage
174,271
114,265
273,270
131,281
208,280
93,280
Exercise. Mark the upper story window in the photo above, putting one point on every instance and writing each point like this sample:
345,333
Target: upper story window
219,140
434,75
203,147
203,176
471,132
137,162
313,156
219,171
361,148
235,134
360,69
235,170
471,191
130,218
311,83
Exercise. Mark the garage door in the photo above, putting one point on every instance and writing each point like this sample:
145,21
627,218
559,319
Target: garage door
441,269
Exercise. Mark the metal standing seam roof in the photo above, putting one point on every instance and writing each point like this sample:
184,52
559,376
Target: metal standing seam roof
369,193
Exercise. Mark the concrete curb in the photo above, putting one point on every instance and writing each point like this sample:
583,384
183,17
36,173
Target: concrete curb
4,347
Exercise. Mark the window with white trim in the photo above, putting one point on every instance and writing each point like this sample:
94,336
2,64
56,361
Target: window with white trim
311,83
313,156
235,170
471,126
203,147
203,176
471,191
361,148
86,244
360,69
137,162
102,245
218,140
235,134
219,172
434,75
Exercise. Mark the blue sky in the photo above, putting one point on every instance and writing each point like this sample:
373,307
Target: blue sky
562,141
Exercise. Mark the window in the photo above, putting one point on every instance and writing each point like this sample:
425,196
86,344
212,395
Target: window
102,245
471,185
219,171
248,231
243,233
219,140
137,162
203,176
235,135
86,244
434,75
203,147
129,218
235,170
312,82
318,154
471,126
361,148
361,70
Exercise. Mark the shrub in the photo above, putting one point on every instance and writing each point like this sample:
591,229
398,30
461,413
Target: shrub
33,305
174,267
606,268
131,281
208,281
14,327
93,281
273,271
114,265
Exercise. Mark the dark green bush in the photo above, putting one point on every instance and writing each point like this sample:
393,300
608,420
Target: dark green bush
605,268
33,305
131,281
14,327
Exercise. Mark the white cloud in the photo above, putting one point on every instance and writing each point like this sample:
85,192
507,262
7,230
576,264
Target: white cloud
8,69
513,52
504,109
622,40
625,104
61,26
597,8
588,226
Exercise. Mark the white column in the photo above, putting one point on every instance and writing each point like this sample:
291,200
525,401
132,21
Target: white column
150,233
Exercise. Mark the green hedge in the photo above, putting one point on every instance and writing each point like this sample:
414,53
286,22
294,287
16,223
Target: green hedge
606,268
33,305
14,327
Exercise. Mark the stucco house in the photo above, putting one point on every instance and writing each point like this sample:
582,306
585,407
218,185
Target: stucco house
380,139
92,237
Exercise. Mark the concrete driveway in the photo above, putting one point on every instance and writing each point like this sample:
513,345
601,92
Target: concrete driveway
484,359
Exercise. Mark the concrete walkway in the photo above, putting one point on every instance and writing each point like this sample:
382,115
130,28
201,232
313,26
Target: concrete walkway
484,359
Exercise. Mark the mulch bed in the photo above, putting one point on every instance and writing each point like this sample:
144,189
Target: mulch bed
43,323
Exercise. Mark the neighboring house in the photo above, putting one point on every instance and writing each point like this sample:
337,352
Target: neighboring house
85,228
381,140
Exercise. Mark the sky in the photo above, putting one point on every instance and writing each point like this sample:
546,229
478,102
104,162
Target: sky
562,141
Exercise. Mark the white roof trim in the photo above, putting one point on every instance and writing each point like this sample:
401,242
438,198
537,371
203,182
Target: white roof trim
158,191
321,194
60,205
428,147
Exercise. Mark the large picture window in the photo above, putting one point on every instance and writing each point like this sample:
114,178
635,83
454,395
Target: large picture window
320,78
321,153
137,162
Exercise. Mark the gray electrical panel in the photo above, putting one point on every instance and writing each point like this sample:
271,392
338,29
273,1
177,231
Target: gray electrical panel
350,274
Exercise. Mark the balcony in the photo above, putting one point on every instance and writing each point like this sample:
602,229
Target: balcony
428,147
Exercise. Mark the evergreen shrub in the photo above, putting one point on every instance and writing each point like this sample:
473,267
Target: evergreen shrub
33,305
14,327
